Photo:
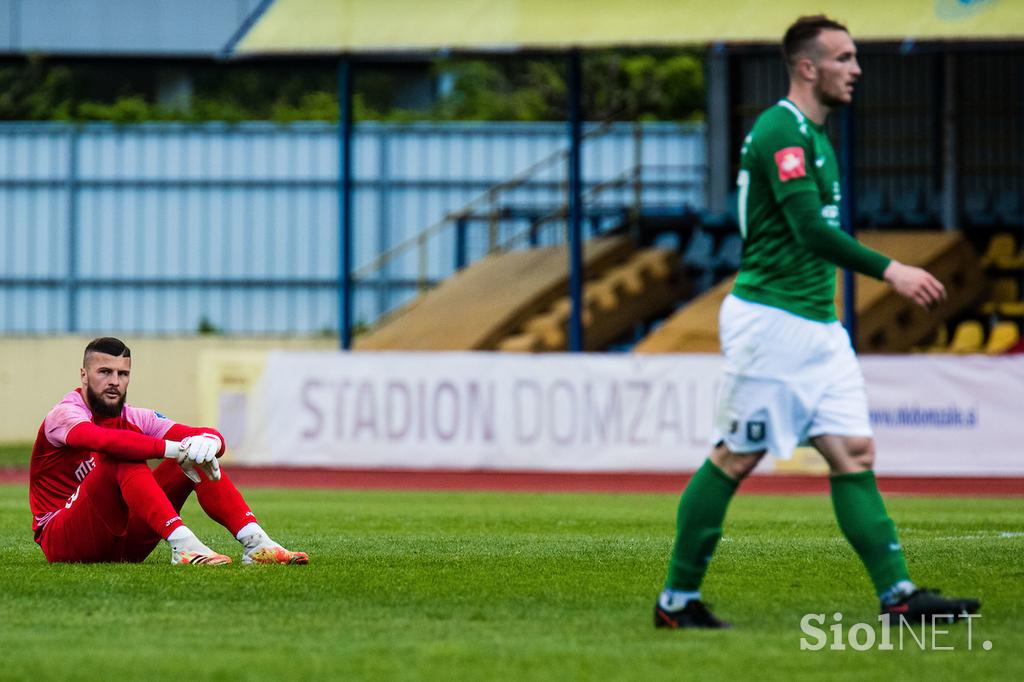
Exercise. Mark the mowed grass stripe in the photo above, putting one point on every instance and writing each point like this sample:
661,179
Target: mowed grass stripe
502,586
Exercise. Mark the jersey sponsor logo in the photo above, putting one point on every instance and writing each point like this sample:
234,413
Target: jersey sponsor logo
791,163
84,468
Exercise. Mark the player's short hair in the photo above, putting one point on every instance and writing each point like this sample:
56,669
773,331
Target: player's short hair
803,32
107,345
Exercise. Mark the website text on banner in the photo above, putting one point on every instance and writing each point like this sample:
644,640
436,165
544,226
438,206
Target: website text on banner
931,414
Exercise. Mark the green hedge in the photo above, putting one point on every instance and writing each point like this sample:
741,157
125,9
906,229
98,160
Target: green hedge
617,85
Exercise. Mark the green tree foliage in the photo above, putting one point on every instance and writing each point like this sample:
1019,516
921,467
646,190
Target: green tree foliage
616,85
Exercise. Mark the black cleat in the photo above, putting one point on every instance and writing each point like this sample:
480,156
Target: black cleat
923,603
694,615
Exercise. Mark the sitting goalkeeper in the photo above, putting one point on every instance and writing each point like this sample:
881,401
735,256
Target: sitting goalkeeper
94,498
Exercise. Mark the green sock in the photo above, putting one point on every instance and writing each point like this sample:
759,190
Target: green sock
861,514
701,512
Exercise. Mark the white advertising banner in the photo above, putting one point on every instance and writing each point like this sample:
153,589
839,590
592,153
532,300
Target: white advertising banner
947,415
482,411
558,412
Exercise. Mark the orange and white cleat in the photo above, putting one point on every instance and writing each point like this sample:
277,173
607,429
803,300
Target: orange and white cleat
198,558
274,554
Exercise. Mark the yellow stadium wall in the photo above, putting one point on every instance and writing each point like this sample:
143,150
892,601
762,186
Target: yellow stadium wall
174,376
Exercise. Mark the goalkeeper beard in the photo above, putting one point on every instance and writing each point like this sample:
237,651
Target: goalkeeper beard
100,408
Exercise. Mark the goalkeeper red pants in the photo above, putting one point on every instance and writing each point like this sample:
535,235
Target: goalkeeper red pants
123,509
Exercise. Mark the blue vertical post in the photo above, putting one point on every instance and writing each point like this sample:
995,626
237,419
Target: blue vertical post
461,242
384,288
575,205
71,278
345,201
847,215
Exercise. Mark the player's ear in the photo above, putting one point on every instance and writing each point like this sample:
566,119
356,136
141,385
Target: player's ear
806,68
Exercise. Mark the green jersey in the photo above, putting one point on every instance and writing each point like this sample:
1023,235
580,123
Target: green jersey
784,154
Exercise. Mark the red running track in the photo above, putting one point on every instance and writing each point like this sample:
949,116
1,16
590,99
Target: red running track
536,481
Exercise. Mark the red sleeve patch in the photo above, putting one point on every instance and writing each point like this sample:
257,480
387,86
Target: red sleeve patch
791,164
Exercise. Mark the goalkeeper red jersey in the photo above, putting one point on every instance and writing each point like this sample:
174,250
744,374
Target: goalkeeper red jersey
70,438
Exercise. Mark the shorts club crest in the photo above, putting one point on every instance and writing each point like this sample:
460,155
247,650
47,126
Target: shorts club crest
806,381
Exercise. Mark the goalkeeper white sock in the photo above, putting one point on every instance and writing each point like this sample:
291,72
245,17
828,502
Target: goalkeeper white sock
253,537
179,533
182,539
251,528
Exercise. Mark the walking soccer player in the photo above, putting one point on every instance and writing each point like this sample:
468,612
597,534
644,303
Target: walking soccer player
94,498
790,372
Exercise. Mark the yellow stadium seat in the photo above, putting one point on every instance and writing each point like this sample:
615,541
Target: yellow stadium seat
969,337
1004,336
1014,309
1001,248
1004,290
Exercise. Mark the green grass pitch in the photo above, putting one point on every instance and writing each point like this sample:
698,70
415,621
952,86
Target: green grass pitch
504,586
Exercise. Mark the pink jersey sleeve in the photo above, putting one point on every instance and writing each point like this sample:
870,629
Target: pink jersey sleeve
151,423
65,415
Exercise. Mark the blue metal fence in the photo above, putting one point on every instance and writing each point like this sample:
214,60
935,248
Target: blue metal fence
161,228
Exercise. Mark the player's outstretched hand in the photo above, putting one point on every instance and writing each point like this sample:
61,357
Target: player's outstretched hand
920,286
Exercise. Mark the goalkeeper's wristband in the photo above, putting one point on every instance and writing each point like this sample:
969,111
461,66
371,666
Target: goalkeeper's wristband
172,449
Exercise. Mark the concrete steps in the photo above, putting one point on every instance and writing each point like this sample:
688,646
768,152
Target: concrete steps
646,284
483,304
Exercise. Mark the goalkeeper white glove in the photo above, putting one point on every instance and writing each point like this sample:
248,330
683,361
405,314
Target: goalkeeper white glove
211,469
196,452
201,449
173,450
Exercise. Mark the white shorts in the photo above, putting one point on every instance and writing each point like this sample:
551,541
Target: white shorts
786,379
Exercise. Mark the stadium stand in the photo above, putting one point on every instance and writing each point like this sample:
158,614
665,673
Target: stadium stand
972,335
992,327
1004,290
873,209
645,285
969,337
699,259
913,212
1008,208
522,295
1002,254
886,322
1005,335
728,255
936,342
724,221
977,211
